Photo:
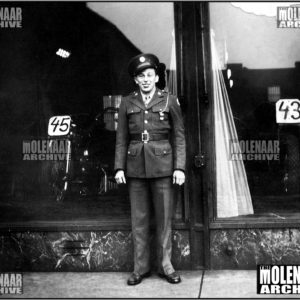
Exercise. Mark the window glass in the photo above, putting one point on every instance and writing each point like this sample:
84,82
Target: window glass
62,80
256,73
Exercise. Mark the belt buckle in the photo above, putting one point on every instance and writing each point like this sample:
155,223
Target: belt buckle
145,137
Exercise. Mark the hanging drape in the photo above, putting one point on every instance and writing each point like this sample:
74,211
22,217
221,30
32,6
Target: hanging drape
233,195
172,81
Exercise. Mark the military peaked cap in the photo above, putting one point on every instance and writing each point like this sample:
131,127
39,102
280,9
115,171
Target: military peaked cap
142,61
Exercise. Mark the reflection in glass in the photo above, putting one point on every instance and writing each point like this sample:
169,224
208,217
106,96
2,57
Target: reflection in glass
264,63
37,84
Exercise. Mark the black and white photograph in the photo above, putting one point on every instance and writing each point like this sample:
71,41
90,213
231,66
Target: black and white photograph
149,149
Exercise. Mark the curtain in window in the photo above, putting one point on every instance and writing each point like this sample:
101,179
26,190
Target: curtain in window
233,195
172,80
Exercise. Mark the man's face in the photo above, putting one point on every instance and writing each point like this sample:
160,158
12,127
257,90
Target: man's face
146,80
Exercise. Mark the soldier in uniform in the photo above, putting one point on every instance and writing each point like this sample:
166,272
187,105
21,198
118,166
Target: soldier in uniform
147,119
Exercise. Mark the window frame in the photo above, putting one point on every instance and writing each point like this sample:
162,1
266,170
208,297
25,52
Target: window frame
210,180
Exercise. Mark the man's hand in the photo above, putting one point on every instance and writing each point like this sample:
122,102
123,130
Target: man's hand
178,177
120,177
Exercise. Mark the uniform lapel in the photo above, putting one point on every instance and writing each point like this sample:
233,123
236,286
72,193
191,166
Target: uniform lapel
137,100
157,97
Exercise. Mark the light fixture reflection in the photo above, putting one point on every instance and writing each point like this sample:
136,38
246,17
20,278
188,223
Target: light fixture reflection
63,53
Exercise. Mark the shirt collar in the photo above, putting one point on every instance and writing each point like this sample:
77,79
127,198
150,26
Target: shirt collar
151,94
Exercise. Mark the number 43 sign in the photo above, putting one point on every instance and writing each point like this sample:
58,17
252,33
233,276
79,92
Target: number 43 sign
288,111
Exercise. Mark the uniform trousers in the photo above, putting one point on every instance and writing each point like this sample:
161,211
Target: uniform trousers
160,191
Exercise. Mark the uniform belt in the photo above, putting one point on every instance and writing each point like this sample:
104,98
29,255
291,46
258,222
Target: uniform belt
149,137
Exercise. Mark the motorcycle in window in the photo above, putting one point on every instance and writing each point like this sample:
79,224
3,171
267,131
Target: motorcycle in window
83,154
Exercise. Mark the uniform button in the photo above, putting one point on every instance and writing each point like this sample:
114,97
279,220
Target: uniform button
165,152
160,109
146,111
146,121
132,111
128,152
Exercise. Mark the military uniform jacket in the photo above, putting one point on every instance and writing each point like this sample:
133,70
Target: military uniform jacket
154,158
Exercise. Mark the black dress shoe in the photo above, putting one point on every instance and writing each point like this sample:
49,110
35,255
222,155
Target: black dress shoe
136,279
171,278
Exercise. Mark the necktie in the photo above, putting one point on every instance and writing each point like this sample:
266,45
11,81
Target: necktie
147,100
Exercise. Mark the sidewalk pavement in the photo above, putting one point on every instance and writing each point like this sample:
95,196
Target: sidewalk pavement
195,284
106,285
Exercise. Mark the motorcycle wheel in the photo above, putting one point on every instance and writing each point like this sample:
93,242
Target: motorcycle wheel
58,175
60,195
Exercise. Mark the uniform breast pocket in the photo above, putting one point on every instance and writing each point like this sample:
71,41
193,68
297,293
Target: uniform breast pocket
160,116
134,118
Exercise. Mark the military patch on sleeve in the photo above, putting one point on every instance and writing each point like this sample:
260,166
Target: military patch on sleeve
178,101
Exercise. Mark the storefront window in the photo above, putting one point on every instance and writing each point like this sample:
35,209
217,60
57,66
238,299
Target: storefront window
256,93
62,80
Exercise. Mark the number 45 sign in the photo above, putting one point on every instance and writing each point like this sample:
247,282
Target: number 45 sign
59,125
288,111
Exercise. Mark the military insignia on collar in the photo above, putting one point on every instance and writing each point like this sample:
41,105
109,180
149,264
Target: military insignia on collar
142,59
178,102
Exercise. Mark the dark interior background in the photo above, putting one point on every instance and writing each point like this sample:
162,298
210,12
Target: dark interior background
36,84
255,119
